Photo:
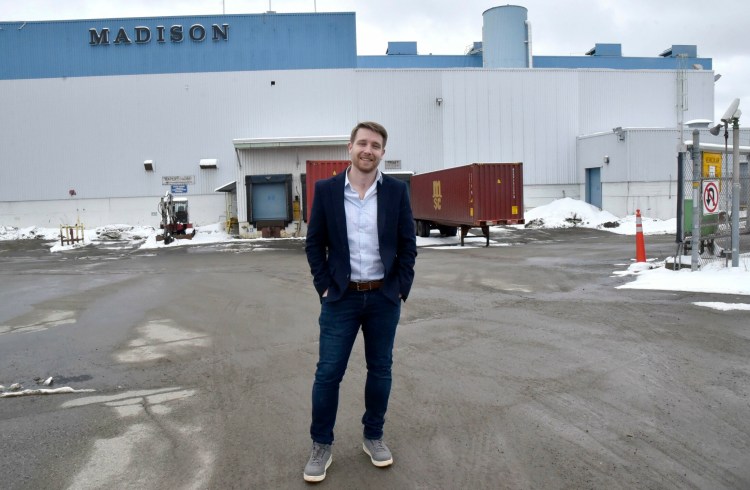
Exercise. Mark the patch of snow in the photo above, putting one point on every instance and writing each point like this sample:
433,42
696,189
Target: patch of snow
723,306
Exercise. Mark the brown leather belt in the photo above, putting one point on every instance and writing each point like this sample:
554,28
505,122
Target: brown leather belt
365,285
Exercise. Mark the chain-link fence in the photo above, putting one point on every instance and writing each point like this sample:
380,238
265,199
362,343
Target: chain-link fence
707,193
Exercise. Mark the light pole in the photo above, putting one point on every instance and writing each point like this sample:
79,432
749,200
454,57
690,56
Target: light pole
736,190
732,115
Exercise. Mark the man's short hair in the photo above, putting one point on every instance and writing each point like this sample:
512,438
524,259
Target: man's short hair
372,126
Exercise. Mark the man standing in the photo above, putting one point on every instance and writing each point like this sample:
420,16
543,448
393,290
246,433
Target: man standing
361,249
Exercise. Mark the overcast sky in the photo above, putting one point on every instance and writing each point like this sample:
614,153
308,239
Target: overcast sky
571,27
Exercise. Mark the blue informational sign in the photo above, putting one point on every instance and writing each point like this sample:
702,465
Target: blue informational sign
179,188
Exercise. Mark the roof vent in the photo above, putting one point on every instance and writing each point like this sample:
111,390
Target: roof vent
401,48
601,49
680,51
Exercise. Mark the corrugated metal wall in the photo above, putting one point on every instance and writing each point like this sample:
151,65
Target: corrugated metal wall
406,103
639,98
513,115
642,155
92,134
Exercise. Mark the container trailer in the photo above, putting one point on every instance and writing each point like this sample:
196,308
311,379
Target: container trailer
471,196
319,170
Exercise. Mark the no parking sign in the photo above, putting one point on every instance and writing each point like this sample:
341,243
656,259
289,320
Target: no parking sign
710,196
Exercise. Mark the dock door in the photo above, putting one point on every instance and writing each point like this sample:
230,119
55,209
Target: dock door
269,200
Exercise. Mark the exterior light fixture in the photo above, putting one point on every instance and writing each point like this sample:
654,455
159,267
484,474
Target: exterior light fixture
148,165
439,101
208,163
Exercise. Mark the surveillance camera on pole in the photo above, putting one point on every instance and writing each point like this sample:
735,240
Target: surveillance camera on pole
730,112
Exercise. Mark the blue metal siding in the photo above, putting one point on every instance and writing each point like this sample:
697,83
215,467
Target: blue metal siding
426,61
254,42
620,63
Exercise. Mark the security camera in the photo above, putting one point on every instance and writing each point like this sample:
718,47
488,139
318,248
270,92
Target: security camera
730,112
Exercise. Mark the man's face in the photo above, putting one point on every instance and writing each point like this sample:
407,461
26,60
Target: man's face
366,150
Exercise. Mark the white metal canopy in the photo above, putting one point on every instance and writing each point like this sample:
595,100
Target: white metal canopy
289,142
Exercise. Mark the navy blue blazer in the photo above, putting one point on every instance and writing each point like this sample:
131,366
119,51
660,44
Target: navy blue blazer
327,244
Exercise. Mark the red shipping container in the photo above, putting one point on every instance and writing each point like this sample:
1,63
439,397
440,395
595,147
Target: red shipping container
319,170
475,195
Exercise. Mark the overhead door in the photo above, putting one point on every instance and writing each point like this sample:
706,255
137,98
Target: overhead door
269,199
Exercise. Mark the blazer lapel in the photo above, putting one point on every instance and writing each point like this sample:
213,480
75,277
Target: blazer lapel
382,199
339,214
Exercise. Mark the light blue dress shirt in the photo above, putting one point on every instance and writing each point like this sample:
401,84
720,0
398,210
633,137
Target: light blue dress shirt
362,231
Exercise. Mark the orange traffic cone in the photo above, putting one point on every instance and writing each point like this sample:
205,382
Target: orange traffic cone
640,247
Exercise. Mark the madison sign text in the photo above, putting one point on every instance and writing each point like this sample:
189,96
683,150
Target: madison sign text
161,34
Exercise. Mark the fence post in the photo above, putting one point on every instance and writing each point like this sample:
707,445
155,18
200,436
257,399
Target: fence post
695,239
735,192
680,198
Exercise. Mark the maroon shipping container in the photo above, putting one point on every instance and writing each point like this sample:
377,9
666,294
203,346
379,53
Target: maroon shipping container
471,196
319,170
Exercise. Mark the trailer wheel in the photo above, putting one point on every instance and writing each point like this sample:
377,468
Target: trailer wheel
448,230
423,228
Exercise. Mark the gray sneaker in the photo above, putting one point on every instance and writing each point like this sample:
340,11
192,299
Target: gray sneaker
320,460
378,452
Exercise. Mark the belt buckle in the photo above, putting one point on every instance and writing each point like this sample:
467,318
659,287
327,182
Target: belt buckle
363,286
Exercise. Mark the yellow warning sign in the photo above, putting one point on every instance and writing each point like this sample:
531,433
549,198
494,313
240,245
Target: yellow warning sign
711,164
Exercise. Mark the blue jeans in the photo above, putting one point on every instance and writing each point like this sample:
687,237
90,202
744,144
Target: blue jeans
339,324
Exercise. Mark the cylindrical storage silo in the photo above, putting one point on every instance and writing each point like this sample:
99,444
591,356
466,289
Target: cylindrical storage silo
505,37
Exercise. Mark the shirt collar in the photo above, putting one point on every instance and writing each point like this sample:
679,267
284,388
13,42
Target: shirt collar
379,178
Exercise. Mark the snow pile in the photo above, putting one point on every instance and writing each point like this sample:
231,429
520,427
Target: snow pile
104,234
569,213
712,278
214,233
121,232
30,233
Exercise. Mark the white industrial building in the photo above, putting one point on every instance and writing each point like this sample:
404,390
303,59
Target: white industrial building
100,117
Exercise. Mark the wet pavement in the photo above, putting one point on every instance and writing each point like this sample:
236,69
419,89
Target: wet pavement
516,366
